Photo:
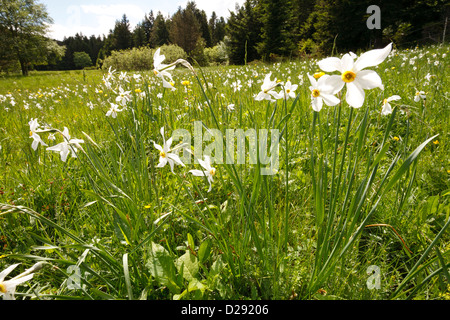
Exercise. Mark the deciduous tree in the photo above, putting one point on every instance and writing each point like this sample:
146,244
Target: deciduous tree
23,26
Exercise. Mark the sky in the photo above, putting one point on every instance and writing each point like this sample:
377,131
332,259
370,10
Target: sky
98,17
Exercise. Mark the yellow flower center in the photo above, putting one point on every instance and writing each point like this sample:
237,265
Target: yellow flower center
212,171
348,76
385,101
2,288
162,154
317,75
315,93
287,90
31,133
155,72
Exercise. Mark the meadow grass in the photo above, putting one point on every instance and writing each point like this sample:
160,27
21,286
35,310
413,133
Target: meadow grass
354,188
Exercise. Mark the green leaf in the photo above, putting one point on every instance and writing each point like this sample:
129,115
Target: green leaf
196,285
190,241
127,276
404,167
161,266
188,264
204,251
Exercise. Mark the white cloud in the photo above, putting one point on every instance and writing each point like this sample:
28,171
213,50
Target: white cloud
95,19
134,13
220,7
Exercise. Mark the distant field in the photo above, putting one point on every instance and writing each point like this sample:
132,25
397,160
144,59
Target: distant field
357,206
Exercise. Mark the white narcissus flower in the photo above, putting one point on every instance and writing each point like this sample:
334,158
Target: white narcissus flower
123,76
66,146
321,92
113,110
159,69
8,287
168,84
267,90
166,154
387,109
34,125
230,107
288,90
353,74
420,95
209,171
236,85
123,97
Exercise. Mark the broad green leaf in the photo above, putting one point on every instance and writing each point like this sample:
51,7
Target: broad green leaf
162,268
188,264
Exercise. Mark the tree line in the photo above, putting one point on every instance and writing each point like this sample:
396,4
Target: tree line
267,29
189,28
257,30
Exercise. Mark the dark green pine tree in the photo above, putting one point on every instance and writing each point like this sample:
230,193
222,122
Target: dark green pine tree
301,9
139,37
204,26
217,28
160,32
244,32
185,29
122,35
147,25
275,17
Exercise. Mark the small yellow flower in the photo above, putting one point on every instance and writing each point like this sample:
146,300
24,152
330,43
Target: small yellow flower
147,206
396,138
393,68
185,83
138,90
436,142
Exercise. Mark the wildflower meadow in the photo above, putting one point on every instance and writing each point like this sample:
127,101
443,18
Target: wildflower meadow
313,178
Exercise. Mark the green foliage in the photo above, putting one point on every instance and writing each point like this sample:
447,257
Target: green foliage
23,27
122,36
243,29
81,60
159,34
347,179
217,54
275,30
173,52
185,29
141,58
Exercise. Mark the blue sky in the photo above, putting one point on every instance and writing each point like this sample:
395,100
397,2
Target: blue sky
98,17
